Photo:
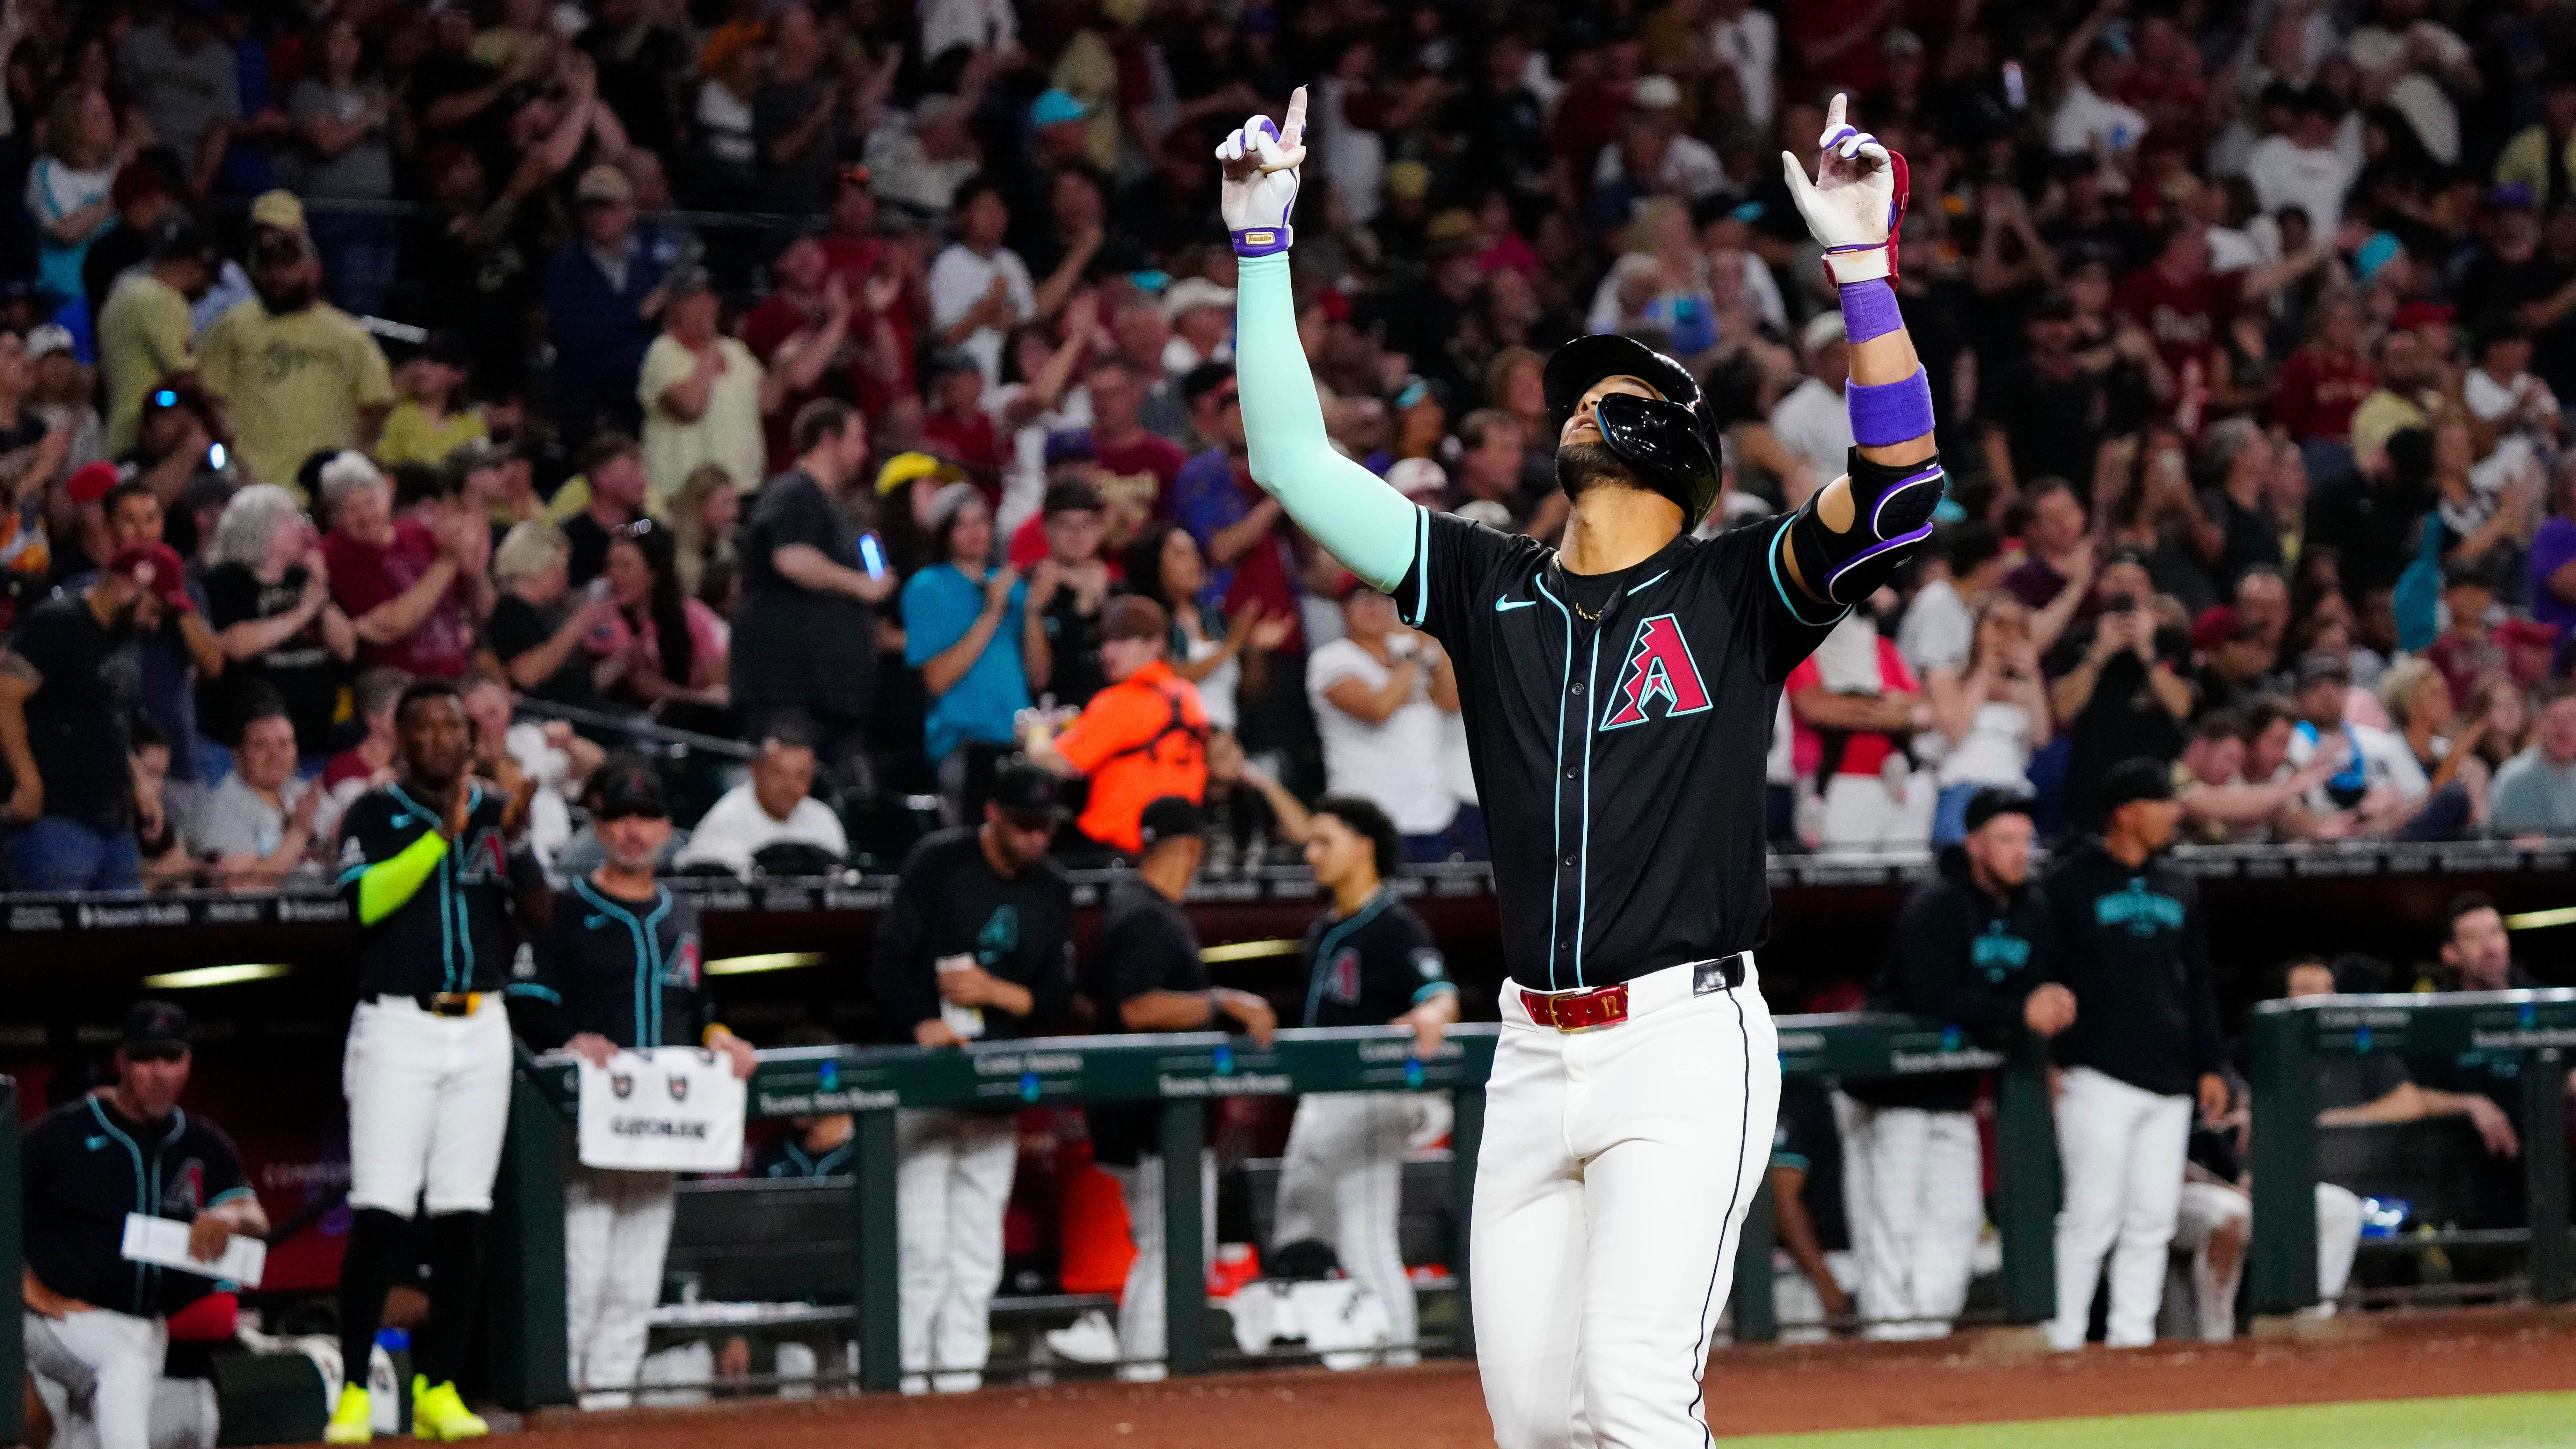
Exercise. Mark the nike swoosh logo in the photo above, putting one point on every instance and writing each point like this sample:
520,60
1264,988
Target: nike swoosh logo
1505,606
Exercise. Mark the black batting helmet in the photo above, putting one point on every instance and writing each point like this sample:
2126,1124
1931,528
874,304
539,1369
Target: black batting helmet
1667,440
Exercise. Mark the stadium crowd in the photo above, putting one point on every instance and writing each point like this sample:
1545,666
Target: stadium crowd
852,381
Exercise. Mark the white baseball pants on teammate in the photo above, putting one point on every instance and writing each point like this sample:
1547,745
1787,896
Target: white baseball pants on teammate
952,1182
1616,1170
2122,1150
1914,1189
99,1374
1342,1182
2209,1210
617,1227
429,1098
1141,1304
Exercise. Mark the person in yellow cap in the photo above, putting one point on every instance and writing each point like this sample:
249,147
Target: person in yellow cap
906,485
300,375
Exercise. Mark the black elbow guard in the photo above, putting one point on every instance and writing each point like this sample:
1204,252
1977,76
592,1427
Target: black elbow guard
1891,516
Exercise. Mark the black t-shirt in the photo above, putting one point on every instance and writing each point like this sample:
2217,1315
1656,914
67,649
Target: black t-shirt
1807,1139
1146,945
1642,702
792,645
2251,538
630,970
589,539
455,933
86,1166
2124,718
1073,643
517,626
2134,950
303,669
2052,424
80,719
1371,966
949,901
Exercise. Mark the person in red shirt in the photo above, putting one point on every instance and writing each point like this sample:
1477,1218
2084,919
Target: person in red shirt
884,279
803,327
1855,699
2321,384
1136,467
957,427
2179,300
414,595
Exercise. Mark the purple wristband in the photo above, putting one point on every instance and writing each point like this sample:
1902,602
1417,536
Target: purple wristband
1261,241
1869,309
1891,412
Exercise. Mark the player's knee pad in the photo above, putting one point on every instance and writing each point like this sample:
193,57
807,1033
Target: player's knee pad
1890,513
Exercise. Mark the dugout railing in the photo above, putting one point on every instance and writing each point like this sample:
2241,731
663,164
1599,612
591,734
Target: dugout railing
2288,1039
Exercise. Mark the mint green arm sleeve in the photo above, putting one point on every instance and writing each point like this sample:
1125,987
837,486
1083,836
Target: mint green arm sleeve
390,882
1343,506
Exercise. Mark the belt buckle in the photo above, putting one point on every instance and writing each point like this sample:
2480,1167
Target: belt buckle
1581,1011
455,1003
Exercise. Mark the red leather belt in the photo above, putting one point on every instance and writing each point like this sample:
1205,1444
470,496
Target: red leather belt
1578,1010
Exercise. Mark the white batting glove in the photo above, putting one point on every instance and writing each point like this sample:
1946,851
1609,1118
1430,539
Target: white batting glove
1261,173
1855,203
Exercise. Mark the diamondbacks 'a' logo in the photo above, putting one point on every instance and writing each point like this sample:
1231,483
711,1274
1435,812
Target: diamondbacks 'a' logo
1342,981
1659,667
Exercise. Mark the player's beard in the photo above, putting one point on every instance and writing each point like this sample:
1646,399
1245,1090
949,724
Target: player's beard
1582,467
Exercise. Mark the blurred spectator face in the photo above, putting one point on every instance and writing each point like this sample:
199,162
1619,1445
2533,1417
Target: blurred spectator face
2128,579
1073,536
693,316
607,224
970,537
2052,334
2105,70
2505,358
2556,733
633,842
984,221
285,271
1217,414
1523,392
2263,601
800,267
959,391
2269,750
2453,450
629,574
1336,853
2480,951
151,765
1142,334
1368,614
1492,468
854,209
2056,521
17,374
1116,395
2321,703
137,519
437,739
2089,288
1021,844
2404,365
487,711
2309,978
2285,483
2217,759
366,514
1074,199
2431,705
1831,364
620,481
1184,570
2151,822
781,777
266,755
1999,850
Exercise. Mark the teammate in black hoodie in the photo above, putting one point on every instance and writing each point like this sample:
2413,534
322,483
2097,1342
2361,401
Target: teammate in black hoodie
1974,948
2129,932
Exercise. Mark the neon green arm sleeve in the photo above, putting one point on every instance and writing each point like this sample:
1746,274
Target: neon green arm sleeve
1345,507
388,883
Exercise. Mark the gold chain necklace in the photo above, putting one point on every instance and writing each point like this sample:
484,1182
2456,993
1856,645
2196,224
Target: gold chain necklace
1589,616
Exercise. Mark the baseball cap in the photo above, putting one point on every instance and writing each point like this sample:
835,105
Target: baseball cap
627,788
2218,624
1055,107
179,239
1191,292
1133,616
2422,314
154,1023
158,567
1028,795
279,211
1169,817
47,340
904,468
1416,477
90,481
1822,328
1656,93
2136,778
2320,667
1992,801
603,183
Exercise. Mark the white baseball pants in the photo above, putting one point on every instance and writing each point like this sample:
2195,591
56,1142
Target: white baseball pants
1616,1171
429,1099
1913,1186
617,1227
1141,1333
952,1182
99,1373
2207,1208
1342,1182
2122,1150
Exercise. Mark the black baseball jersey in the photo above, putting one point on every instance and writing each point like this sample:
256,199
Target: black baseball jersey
1617,724
1146,945
630,970
455,932
2132,949
1371,966
87,1165
949,901
786,1160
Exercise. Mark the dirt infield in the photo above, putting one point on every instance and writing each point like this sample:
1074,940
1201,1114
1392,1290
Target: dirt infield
1750,1391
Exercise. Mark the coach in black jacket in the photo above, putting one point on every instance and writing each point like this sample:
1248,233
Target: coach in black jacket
1974,948
2130,932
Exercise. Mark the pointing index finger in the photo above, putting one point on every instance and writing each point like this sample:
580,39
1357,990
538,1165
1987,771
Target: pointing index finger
1294,131
1833,117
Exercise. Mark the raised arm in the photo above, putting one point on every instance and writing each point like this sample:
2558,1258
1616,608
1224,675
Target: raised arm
1352,512
1850,537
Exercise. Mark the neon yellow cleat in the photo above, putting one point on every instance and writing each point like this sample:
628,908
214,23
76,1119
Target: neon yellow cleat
352,1420
439,1413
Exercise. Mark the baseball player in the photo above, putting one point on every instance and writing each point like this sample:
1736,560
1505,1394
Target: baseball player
426,863
977,945
96,1322
1369,961
1618,696
619,965
2129,945
1146,976
1972,950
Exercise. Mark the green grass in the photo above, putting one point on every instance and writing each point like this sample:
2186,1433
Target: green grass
2501,1421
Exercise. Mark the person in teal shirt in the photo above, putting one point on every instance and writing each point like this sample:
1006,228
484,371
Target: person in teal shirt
981,650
